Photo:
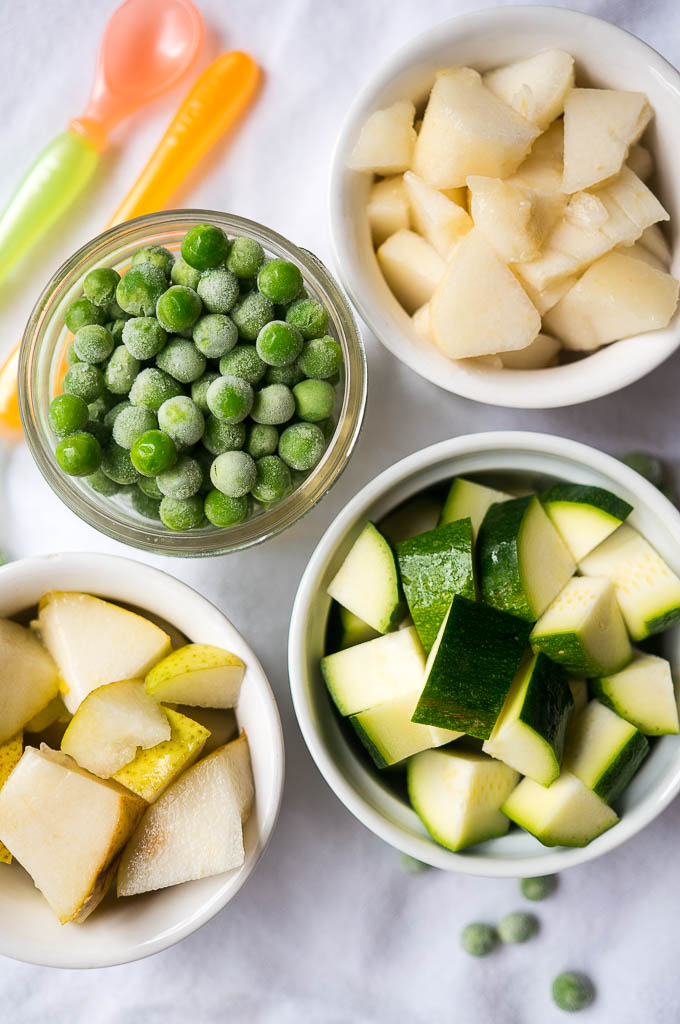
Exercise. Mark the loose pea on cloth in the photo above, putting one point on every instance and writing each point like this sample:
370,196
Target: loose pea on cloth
329,930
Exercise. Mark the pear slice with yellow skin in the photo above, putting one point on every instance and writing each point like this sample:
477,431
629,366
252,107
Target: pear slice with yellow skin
151,772
111,723
29,678
10,755
198,675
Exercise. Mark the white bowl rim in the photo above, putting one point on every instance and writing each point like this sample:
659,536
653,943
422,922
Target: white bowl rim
520,389
213,904
559,858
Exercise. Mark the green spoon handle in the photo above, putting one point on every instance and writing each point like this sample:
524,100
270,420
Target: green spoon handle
57,177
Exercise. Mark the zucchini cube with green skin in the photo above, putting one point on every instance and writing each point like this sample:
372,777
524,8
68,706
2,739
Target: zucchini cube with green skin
367,582
647,589
390,736
579,694
584,516
467,499
471,668
531,729
643,693
583,629
434,567
604,751
354,630
566,813
458,794
371,673
523,563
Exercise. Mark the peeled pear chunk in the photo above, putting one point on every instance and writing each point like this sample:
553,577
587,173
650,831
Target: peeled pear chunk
198,674
386,141
192,831
600,125
618,296
543,168
467,130
66,828
440,221
536,87
654,240
95,642
509,215
412,268
637,251
543,351
421,322
111,723
548,297
152,770
388,208
479,307
29,678
10,755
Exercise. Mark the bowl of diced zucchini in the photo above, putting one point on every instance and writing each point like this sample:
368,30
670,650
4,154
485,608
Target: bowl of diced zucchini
483,650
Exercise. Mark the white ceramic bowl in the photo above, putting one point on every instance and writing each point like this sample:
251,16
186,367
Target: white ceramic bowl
606,56
129,929
525,458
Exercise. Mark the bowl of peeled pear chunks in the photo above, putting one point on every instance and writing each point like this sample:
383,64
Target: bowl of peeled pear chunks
121,763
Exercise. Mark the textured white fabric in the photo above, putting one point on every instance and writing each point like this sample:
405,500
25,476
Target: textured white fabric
329,930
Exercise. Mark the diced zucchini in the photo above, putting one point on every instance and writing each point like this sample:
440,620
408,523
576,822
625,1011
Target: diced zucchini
643,693
604,751
367,582
353,630
458,795
471,668
434,566
530,732
467,499
647,590
413,516
523,562
371,673
564,814
390,736
583,629
579,694
584,516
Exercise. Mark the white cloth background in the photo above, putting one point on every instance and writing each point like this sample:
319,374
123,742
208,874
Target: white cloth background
329,930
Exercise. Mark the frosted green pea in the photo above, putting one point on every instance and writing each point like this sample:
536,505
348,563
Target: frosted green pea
572,992
516,927
148,486
102,405
479,939
153,387
251,314
145,506
245,258
182,273
121,371
230,399
140,288
309,316
131,424
182,360
233,473
93,343
115,327
538,888
85,381
102,484
273,405
288,375
205,460
182,420
117,466
99,430
143,337
218,289
279,344
115,411
214,335
182,480
244,362
301,446
223,511
178,308
100,285
314,400
114,312
199,390
83,312
273,480
261,439
321,358
279,280
221,437
156,254
181,514
72,356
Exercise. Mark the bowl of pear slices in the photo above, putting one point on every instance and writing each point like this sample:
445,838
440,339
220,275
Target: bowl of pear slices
504,206
141,760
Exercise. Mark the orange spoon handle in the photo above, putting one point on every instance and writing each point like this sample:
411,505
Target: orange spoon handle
212,106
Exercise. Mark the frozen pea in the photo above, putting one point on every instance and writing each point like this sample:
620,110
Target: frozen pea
261,439
478,939
182,273
204,246
182,360
245,258
79,454
233,473
221,437
100,430
273,405
100,285
214,335
121,371
223,511
140,288
538,888
67,414
244,362
572,992
72,356
301,446
102,405
85,381
182,420
178,309
115,412
115,328
230,399
218,289
273,480
309,316
181,513
148,486
516,927
114,312
156,254
321,358
93,343
145,506
131,424
246,285
288,375
205,460
102,484
117,466
83,312
199,390
328,428
279,344
182,480
251,314
143,337
153,453
153,387
314,400
279,280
